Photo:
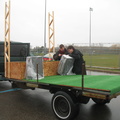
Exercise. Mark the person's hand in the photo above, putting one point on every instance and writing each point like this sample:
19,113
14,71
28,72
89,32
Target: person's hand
60,55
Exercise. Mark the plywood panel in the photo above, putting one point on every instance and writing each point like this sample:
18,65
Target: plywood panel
50,68
18,69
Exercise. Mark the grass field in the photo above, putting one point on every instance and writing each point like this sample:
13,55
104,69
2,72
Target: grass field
108,60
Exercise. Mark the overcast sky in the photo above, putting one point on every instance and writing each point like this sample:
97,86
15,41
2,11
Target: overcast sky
71,21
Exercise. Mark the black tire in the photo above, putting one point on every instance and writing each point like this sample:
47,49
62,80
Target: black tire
64,107
100,101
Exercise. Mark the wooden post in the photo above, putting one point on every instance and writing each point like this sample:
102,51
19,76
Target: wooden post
7,40
51,33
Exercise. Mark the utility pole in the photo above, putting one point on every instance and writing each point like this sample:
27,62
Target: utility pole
90,52
45,27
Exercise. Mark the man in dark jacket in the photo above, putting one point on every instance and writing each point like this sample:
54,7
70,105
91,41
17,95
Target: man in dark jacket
78,60
62,50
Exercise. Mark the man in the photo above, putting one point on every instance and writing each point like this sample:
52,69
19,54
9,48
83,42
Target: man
78,60
62,50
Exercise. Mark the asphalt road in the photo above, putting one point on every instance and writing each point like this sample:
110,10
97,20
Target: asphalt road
36,105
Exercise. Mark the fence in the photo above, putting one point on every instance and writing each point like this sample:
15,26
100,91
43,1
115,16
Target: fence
99,55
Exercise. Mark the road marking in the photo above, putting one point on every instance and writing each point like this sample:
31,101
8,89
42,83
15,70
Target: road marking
10,90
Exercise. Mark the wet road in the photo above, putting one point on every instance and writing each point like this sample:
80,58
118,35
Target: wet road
36,105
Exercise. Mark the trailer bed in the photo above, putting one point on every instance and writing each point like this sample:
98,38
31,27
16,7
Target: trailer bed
105,83
69,91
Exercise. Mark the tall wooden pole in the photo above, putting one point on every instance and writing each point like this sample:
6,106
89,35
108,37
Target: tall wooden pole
51,33
7,41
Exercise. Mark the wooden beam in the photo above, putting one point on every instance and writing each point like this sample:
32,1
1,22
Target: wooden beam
54,33
6,32
5,67
51,29
6,16
51,22
7,41
51,15
51,33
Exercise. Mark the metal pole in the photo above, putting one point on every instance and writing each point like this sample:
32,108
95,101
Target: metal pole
119,58
90,31
83,65
45,28
37,72
90,52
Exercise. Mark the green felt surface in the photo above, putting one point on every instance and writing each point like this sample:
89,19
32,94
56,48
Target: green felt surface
104,82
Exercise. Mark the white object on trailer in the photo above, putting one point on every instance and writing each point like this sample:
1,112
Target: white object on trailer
34,68
66,65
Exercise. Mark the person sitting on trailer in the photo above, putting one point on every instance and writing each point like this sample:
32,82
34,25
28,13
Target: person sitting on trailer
78,60
62,50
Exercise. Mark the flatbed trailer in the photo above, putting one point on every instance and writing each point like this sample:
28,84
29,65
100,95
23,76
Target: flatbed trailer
68,91
71,90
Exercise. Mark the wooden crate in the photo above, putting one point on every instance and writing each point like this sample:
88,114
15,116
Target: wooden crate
17,69
50,68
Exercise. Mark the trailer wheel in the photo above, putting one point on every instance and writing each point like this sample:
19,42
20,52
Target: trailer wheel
100,101
63,106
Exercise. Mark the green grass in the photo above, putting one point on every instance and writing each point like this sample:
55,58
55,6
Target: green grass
108,60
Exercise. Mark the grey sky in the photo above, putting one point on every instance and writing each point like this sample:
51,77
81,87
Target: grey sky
71,21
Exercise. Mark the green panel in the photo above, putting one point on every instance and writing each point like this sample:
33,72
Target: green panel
104,82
